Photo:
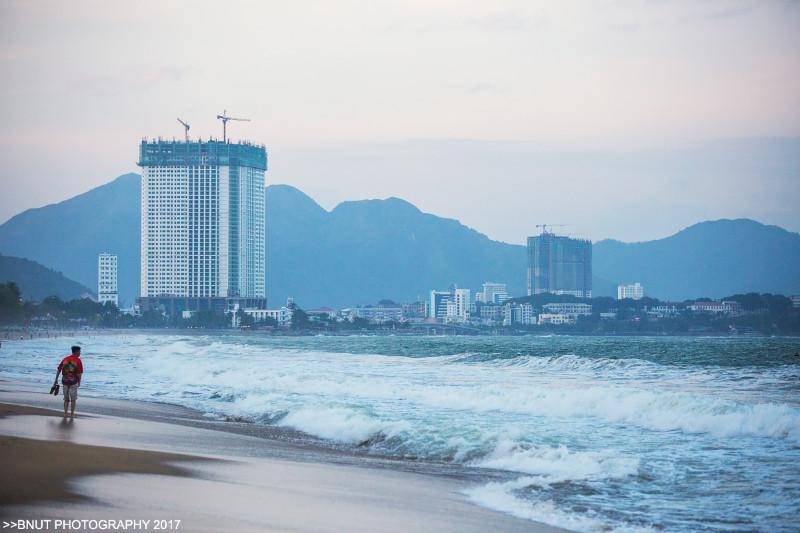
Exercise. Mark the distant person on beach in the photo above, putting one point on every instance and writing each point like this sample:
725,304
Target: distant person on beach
71,370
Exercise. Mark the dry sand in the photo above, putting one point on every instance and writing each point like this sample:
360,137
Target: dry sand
113,467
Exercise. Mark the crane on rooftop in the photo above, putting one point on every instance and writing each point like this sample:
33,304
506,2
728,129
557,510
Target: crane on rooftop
225,118
544,226
186,128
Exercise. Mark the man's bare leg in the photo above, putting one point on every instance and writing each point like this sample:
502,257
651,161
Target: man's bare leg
66,402
72,409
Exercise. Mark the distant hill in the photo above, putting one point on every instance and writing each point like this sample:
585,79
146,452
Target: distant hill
714,259
38,282
363,251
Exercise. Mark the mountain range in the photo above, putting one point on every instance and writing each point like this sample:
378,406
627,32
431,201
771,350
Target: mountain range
364,251
37,282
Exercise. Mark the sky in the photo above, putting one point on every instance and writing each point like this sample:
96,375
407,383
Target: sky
621,119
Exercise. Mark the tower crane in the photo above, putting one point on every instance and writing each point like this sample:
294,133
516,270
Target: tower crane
186,128
225,118
544,226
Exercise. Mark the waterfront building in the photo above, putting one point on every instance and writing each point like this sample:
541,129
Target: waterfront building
491,313
202,225
282,316
559,265
634,291
438,304
107,290
714,307
377,314
572,309
663,310
795,301
492,293
461,298
518,313
322,313
556,319
415,309
450,306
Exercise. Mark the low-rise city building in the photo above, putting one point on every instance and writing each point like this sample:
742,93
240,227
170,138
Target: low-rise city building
491,314
282,316
492,293
715,307
415,309
323,313
518,313
572,309
663,311
377,314
452,306
634,291
556,319
795,301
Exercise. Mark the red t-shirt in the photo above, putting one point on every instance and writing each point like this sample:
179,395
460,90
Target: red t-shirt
71,368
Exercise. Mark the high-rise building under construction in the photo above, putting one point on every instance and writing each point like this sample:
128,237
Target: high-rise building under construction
202,224
559,265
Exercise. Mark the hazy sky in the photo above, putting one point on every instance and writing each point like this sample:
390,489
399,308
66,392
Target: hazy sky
622,119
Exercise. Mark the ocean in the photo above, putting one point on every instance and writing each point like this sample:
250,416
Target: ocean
586,433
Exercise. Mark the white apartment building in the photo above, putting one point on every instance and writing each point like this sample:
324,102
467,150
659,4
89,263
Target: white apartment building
450,306
282,316
634,291
107,290
461,298
492,293
377,314
203,219
518,314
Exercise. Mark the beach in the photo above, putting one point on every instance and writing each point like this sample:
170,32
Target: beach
146,467
411,433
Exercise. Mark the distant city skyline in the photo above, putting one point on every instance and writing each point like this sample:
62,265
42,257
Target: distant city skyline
626,120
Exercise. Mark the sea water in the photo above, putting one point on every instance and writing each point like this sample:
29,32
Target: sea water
587,433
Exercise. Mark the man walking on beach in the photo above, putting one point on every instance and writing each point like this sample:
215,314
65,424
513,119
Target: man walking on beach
71,370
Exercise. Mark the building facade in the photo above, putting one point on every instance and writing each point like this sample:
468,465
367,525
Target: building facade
203,220
437,308
107,290
492,293
450,306
573,309
634,291
714,307
559,265
517,313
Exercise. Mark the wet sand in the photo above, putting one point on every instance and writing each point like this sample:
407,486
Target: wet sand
115,467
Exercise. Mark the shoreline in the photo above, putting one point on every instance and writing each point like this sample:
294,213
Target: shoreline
271,482
38,334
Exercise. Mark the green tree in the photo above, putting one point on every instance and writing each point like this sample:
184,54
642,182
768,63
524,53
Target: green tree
11,307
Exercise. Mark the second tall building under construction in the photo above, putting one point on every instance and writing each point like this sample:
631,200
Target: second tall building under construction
559,265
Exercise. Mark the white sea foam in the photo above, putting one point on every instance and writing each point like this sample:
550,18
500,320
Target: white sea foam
552,465
340,424
259,384
500,497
